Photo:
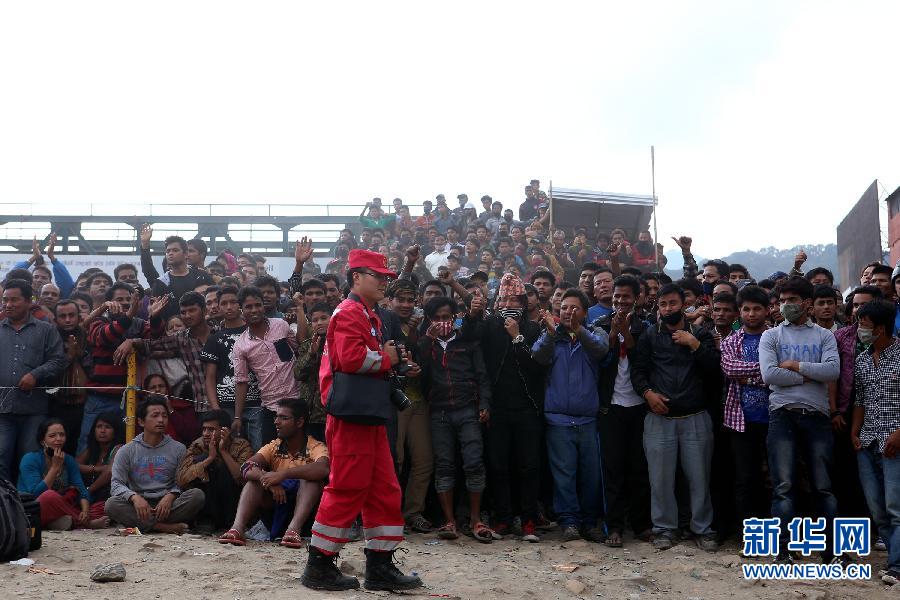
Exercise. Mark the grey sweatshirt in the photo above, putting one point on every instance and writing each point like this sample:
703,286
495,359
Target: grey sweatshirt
816,350
146,470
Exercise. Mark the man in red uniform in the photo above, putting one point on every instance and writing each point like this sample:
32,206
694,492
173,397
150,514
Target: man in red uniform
362,470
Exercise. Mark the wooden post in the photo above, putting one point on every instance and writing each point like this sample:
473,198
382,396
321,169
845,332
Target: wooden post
131,398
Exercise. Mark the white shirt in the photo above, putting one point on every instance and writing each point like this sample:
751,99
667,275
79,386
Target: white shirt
435,260
623,391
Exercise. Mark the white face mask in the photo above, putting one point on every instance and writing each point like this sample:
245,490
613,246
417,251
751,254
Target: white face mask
866,335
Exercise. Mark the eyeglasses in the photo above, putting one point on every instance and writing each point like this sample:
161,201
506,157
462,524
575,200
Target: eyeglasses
377,276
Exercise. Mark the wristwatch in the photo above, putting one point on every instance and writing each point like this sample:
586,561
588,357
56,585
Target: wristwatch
518,339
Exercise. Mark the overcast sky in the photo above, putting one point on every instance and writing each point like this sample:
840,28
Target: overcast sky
773,114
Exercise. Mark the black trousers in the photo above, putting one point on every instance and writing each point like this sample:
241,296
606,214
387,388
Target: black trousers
515,439
751,496
626,484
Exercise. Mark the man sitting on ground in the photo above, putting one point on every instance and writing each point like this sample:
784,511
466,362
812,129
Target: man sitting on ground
284,479
212,463
144,493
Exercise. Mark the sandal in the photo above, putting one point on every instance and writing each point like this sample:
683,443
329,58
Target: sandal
482,533
614,540
291,539
448,531
419,524
233,537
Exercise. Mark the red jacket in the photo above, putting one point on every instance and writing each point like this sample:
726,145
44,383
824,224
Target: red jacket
352,344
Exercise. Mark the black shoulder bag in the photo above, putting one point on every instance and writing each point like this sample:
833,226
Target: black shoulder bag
361,399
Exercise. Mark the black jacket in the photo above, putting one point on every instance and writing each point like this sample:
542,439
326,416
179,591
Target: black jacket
661,365
455,377
498,348
609,367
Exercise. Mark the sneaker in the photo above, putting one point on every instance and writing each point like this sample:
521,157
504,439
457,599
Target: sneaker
892,577
517,526
594,534
502,529
880,546
662,542
419,523
542,523
784,558
707,543
528,534
571,534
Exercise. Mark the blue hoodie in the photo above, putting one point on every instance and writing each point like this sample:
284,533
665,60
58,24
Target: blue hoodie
572,397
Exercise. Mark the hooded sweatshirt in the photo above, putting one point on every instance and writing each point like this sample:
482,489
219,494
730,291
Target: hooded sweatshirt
150,471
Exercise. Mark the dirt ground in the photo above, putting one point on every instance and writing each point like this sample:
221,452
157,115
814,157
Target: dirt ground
196,567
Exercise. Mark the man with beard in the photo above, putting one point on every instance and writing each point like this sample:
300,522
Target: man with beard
284,479
668,371
362,477
68,404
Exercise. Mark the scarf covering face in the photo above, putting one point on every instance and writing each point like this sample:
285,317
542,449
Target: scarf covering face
510,285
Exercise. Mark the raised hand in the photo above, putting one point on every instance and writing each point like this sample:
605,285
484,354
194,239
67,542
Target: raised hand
52,247
146,236
683,242
158,304
412,254
303,250
799,259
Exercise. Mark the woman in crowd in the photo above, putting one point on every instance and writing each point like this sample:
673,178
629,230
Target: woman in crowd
95,463
53,477
183,425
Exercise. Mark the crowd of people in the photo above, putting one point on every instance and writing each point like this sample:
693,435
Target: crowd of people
548,380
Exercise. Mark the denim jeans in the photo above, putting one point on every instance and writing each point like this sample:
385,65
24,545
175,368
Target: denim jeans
18,436
260,426
95,405
452,429
880,479
687,441
574,454
807,431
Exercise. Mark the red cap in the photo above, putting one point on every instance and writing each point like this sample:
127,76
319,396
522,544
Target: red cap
366,259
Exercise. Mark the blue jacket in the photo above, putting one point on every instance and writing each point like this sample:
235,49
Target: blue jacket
31,475
61,277
571,397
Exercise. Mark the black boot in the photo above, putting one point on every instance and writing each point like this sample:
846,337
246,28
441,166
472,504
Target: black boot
322,573
381,574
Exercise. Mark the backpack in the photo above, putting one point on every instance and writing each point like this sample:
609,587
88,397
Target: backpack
14,534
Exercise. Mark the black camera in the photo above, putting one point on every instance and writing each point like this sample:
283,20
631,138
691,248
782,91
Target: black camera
402,367
400,401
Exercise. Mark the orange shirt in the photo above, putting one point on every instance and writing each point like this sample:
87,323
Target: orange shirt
280,459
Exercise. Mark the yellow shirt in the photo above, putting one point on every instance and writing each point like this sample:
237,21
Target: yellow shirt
276,454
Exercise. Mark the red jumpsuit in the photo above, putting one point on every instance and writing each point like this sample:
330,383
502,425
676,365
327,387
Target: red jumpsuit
362,470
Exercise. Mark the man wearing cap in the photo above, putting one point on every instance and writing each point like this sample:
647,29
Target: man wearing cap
362,474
